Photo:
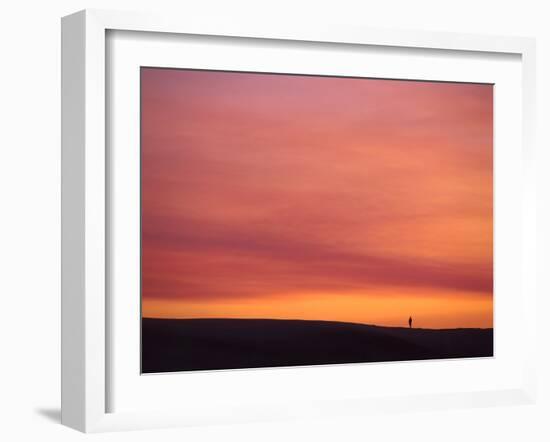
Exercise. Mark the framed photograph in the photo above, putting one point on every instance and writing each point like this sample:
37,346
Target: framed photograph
269,223
278,220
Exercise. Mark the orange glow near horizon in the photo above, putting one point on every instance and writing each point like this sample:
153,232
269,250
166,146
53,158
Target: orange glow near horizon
307,197
434,311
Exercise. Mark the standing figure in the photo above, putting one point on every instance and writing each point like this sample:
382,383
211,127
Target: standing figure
410,321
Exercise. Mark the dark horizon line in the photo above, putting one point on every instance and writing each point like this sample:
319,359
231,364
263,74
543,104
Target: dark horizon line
313,320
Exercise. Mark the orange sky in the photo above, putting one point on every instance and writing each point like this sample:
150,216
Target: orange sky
281,196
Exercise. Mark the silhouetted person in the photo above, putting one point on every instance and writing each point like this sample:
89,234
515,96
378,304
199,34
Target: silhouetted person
410,321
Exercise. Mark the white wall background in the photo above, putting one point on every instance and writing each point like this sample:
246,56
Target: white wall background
30,216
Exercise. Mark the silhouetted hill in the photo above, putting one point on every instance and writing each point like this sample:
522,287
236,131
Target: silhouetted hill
207,344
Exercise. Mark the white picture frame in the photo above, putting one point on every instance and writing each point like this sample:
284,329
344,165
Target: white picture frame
86,353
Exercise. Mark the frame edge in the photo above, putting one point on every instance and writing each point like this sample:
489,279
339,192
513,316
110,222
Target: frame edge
73,80
83,385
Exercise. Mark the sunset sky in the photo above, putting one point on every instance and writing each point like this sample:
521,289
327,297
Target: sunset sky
307,197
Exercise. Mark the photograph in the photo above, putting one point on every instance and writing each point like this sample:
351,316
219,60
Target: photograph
303,219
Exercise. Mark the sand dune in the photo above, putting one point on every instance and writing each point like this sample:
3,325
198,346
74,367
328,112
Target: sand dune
170,345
